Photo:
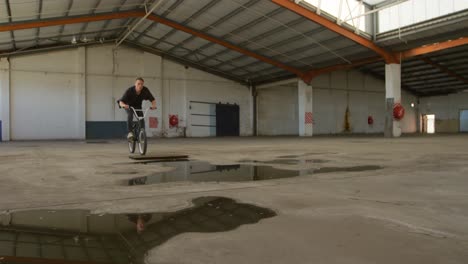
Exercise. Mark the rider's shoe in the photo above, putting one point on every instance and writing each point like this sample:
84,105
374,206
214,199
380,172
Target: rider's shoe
130,136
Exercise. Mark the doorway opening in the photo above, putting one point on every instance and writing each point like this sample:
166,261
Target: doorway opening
428,124
464,121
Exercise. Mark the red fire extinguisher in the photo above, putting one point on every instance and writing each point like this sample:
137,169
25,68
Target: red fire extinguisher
398,111
173,120
370,120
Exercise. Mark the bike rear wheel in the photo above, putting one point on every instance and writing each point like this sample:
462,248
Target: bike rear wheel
142,142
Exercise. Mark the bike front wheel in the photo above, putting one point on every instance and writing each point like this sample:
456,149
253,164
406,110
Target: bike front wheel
131,146
142,142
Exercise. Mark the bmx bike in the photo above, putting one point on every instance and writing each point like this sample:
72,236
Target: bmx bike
139,133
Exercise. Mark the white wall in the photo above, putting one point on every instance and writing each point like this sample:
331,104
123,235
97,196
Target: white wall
446,110
196,85
5,97
278,110
83,84
363,94
332,93
409,124
178,86
88,81
47,96
110,72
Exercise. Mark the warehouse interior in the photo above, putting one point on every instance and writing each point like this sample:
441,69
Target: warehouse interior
313,131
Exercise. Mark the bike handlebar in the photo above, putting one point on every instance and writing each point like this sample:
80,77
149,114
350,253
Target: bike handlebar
141,110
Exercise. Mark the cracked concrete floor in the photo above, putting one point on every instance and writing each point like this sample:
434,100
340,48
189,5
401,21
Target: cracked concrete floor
413,210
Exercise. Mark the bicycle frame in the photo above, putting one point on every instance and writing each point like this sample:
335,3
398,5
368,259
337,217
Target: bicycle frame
139,118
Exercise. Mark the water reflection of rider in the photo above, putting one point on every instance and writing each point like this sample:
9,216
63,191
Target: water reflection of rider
140,220
137,181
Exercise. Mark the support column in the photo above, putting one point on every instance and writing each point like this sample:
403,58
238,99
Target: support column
304,93
5,99
418,116
254,110
183,113
81,68
392,96
164,101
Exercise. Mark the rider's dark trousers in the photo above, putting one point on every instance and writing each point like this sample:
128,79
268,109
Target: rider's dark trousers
130,115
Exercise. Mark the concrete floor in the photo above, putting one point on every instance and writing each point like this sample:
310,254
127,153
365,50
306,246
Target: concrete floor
414,210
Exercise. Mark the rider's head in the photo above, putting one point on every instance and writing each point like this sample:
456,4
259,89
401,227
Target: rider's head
140,224
139,84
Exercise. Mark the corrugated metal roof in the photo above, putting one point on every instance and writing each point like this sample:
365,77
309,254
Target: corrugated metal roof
374,2
259,26
437,29
440,73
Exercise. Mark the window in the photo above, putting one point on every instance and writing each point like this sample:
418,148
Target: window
415,11
349,12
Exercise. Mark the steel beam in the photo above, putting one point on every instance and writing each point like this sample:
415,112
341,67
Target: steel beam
39,11
217,23
70,4
152,25
12,34
433,48
186,21
240,29
106,24
69,20
124,35
223,43
85,25
386,55
185,62
445,70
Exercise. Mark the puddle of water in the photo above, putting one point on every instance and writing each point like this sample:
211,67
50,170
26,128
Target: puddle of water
281,161
76,235
124,172
294,161
197,171
97,142
160,161
158,158
286,161
347,169
289,157
145,162
305,154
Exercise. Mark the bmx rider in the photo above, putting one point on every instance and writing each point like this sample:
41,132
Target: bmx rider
134,97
